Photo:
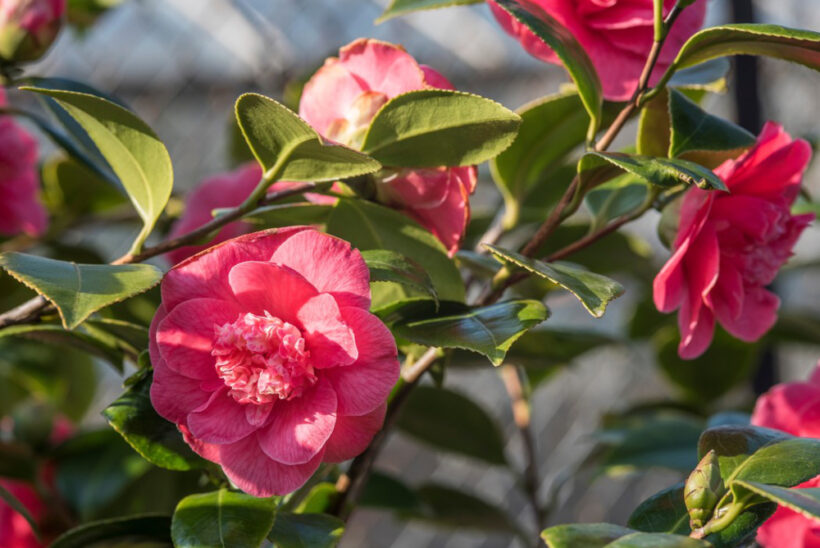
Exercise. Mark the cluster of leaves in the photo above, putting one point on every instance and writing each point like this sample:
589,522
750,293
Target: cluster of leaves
114,481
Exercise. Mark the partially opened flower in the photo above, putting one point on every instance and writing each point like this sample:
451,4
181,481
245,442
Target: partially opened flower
29,27
266,357
616,34
20,206
342,98
793,408
729,246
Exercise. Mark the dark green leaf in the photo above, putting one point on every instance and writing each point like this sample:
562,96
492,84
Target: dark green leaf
389,266
369,226
705,77
805,501
130,147
450,421
657,540
786,463
596,168
306,530
222,519
588,535
663,512
11,501
78,290
319,499
695,130
735,444
403,7
451,508
593,290
743,528
568,50
620,196
489,330
437,127
288,149
153,437
798,46
385,491
98,344
119,531
289,214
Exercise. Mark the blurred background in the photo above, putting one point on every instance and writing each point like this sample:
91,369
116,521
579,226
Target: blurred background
180,64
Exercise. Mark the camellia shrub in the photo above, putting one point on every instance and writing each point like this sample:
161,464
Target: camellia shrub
273,326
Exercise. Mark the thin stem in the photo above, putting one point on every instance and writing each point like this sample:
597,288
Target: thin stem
552,221
512,377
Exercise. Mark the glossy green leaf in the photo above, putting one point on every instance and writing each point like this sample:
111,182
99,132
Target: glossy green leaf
743,528
695,130
489,330
551,128
786,463
318,499
593,290
131,148
79,290
568,50
710,76
222,519
389,266
370,226
287,147
448,507
663,512
452,422
306,530
596,168
154,530
289,214
12,502
658,540
387,492
437,127
403,7
589,535
798,46
620,196
805,500
157,440
654,127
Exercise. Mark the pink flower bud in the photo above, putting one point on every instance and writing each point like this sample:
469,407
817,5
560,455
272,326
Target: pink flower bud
28,28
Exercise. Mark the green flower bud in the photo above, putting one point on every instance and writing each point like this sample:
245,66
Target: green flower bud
703,489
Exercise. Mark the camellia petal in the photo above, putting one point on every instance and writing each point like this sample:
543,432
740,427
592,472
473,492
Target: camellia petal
352,435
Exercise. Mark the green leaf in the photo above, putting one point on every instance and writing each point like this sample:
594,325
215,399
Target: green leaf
532,173
596,168
438,127
157,440
130,147
798,46
588,535
805,501
593,290
288,214
18,507
568,50
450,421
786,463
448,507
489,330
318,499
620,196
706,77
389,266
306,530
663,512
743,528
658,540
98,344
146,528
654,127
222,519
695,130
403,7
387,492
734,444
287,147
370,226
79,290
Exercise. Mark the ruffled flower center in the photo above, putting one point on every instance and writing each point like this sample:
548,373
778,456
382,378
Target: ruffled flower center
262,359
350,130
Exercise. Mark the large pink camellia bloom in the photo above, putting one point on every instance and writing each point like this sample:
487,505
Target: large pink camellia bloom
616,34
729,246
20,208
220,191
341,99
793,408
267,359
29,27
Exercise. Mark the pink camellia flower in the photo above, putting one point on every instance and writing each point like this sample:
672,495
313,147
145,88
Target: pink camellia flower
220,191
267,359
730,246
341,100
616,34
20,208
29,27
793,408
15,531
